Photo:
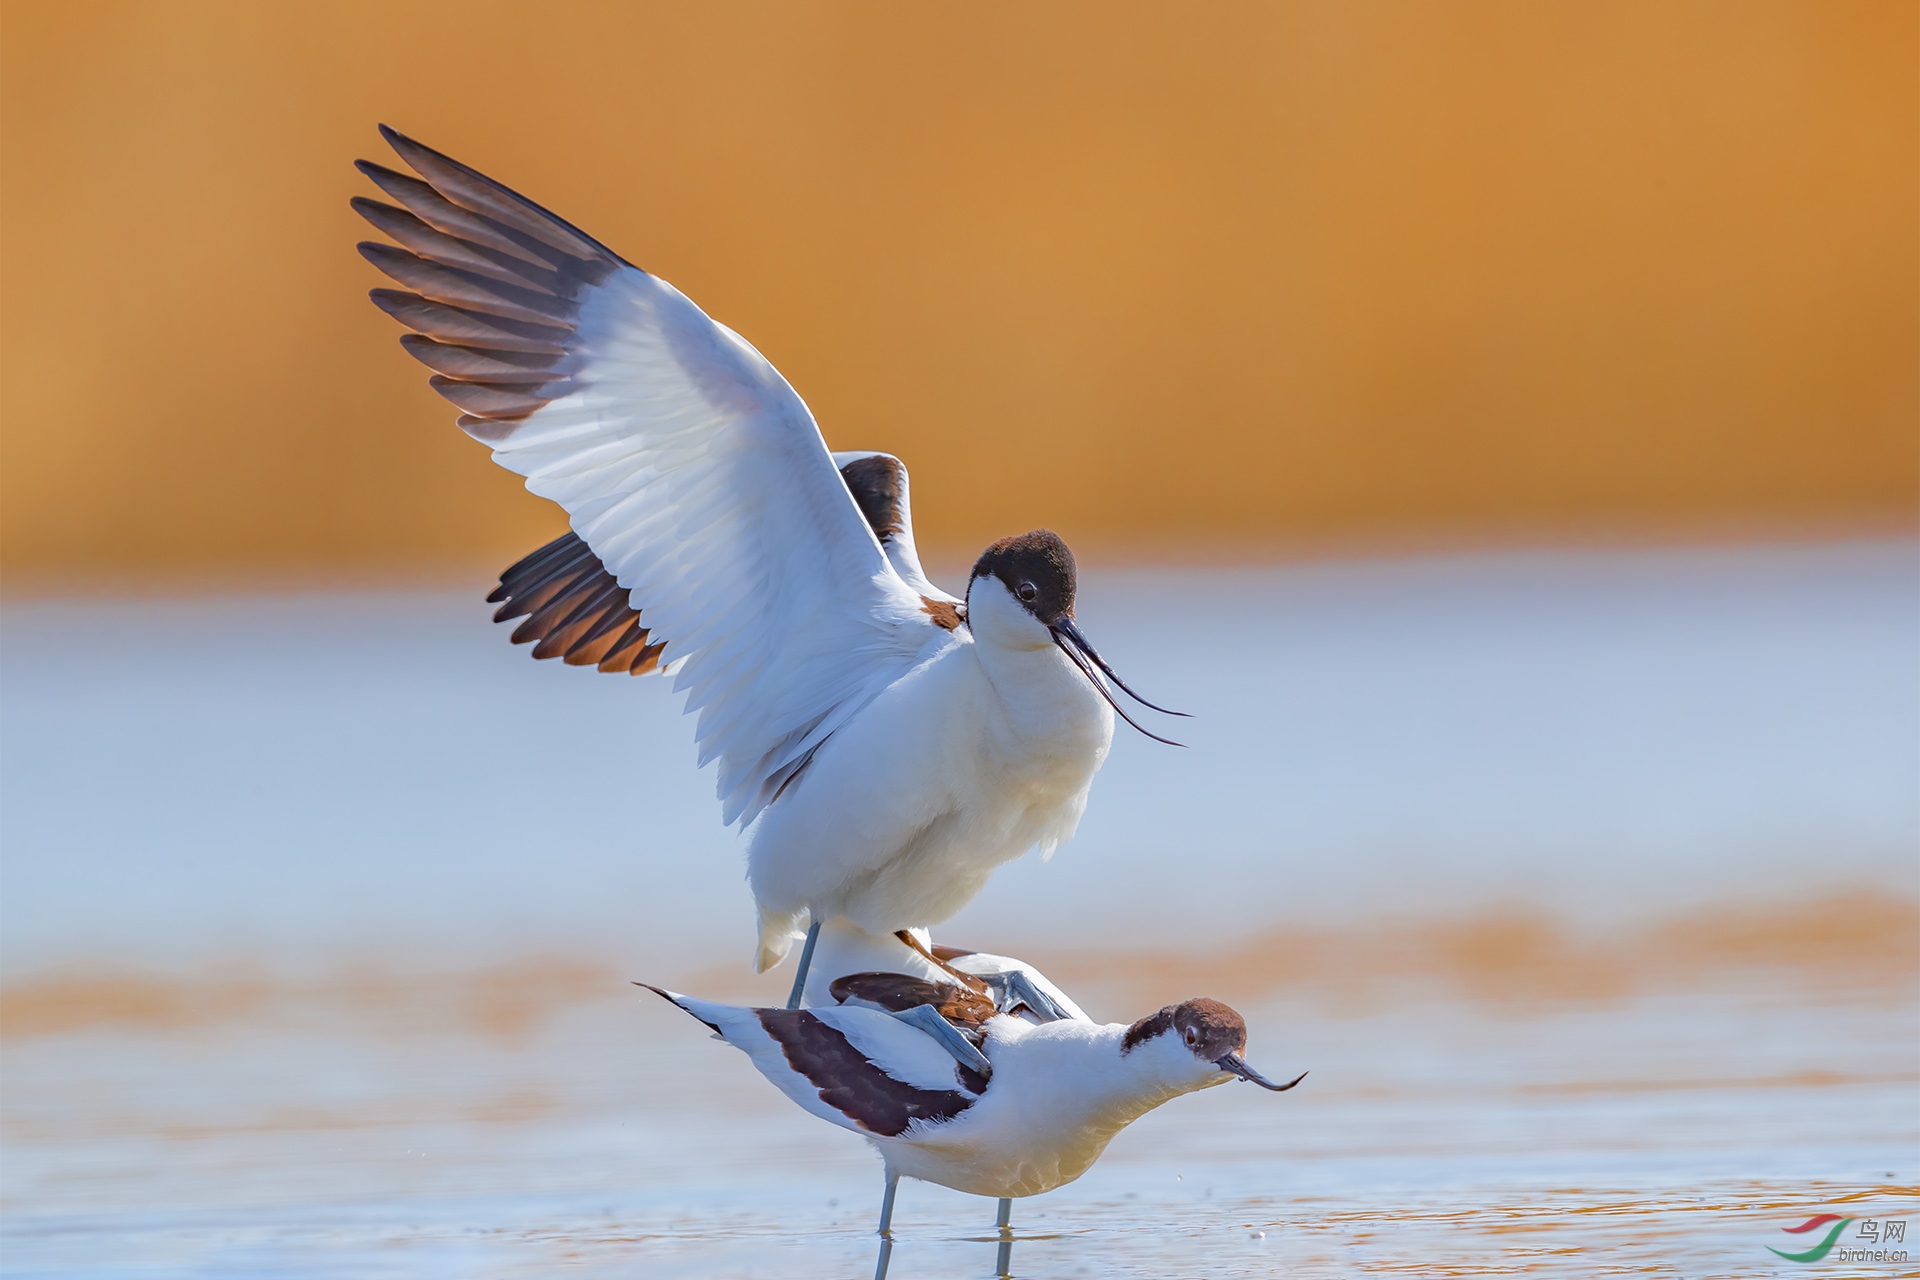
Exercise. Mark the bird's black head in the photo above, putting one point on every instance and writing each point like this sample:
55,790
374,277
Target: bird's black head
1209,1028
1212,1032
1037,569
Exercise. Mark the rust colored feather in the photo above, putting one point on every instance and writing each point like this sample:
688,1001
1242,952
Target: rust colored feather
627,652
945,613
574,609
648,659
520,569
590,602
591,649
551,603
527,590
612,620
895,992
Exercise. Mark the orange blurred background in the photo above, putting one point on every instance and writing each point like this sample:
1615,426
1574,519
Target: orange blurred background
1169,279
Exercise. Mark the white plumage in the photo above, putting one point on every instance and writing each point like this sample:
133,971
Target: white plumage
891,744
1058,1093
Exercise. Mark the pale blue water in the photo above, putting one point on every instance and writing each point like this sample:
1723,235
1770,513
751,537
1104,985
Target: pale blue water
1601,732
358,887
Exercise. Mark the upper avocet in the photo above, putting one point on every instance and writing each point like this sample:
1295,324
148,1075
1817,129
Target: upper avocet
896,743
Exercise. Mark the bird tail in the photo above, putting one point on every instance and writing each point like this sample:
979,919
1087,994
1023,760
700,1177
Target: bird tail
779,930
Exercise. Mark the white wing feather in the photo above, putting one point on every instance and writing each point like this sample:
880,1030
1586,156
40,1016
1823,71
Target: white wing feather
685,461
699,478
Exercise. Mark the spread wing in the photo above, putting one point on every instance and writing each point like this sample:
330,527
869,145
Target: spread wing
577,612
694,475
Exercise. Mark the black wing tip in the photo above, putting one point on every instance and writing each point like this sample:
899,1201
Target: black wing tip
400,141
374,250
401,144
671,999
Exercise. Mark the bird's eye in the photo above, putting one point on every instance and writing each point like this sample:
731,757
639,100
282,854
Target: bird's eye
1026,591
1193,1037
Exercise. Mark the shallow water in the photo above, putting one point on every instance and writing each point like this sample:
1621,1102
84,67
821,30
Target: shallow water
1585,886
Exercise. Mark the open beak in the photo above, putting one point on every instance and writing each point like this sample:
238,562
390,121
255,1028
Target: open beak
1237,1065
1086,657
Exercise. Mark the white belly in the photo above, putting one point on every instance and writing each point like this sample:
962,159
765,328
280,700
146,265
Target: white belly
1055,1102
904,813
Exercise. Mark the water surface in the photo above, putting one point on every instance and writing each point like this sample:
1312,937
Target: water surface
1584,885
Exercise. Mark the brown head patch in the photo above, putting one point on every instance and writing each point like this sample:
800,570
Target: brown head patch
1037,568
851,1084
1211,1029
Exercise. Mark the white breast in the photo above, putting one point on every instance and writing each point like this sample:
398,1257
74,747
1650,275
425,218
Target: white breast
1059,1094
983,751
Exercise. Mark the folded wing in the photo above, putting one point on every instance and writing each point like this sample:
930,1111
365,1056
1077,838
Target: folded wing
878,482
694,475
858,1068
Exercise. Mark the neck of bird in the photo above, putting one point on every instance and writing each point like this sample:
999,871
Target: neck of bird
1042,691
1120,1088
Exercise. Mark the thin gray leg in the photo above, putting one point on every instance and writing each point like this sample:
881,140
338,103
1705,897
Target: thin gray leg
886,1226
1003,1265
806,962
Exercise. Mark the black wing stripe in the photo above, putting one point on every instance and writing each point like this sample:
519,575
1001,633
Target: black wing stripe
476,364
851,1084
488,273
467,289
412,233
494,285
504,400
575,610
443,215
474,190
525,593
877,483
469,328
589,609
563,585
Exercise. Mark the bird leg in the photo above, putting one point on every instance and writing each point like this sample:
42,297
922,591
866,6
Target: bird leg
886,1226
967,980
806,962
1003,1265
